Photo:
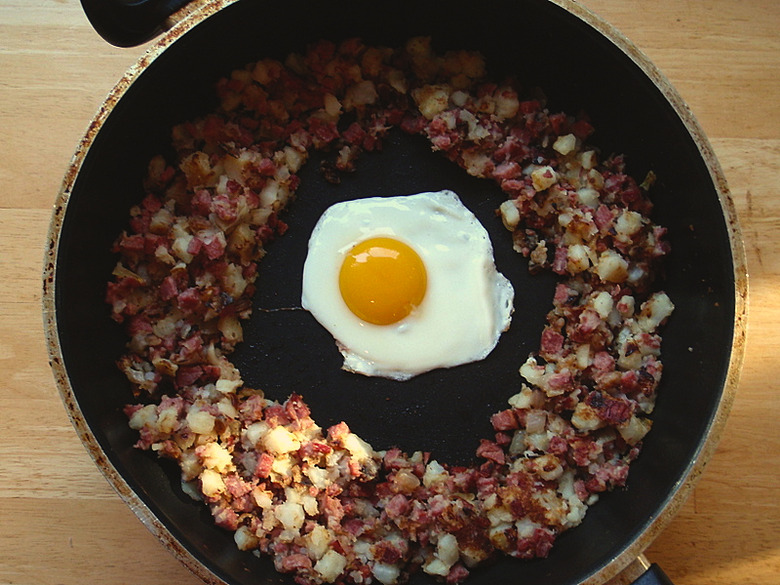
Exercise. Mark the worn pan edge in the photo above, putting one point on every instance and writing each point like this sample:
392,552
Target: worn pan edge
195,13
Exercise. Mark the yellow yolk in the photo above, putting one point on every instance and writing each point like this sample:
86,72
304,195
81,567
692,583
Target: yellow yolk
382,280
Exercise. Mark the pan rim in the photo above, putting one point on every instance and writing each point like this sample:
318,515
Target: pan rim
198,11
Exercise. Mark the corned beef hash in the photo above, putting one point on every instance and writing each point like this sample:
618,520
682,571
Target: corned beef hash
323,503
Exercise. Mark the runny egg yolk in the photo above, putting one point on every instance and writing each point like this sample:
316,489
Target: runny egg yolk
382,280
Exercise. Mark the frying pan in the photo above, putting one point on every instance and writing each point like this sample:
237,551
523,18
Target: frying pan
582,64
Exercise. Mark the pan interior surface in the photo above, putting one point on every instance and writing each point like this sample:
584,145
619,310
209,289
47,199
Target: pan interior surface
541,44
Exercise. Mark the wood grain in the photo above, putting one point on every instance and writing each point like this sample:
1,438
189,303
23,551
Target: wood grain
61,523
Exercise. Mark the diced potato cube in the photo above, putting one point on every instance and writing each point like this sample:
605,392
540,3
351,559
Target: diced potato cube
544,178
254,433
522,399
635,429
588,196
507,103
332,105
432,99
510,215
565,144
588,159
447,549
357,447
585,418
146,416
577,258
244,538
386,574
227,386
215,456
434,473
231,329
180,246
612,267
653,312
532,372
476,163
291,515
602,303
211,483
200,421
436,567
330,566
318,540
360,94
279,440
628,223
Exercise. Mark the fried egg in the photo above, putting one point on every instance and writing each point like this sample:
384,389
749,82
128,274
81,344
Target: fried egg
405,284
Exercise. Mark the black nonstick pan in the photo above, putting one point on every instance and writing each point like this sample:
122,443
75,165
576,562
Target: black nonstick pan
581,64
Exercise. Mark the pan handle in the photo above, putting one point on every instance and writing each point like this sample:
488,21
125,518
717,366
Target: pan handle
654,575
127,23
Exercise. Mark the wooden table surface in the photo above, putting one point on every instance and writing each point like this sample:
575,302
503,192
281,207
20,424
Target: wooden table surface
60,521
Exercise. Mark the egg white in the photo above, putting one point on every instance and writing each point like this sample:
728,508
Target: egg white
467,304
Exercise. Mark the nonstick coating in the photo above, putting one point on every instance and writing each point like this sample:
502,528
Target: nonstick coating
444,412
